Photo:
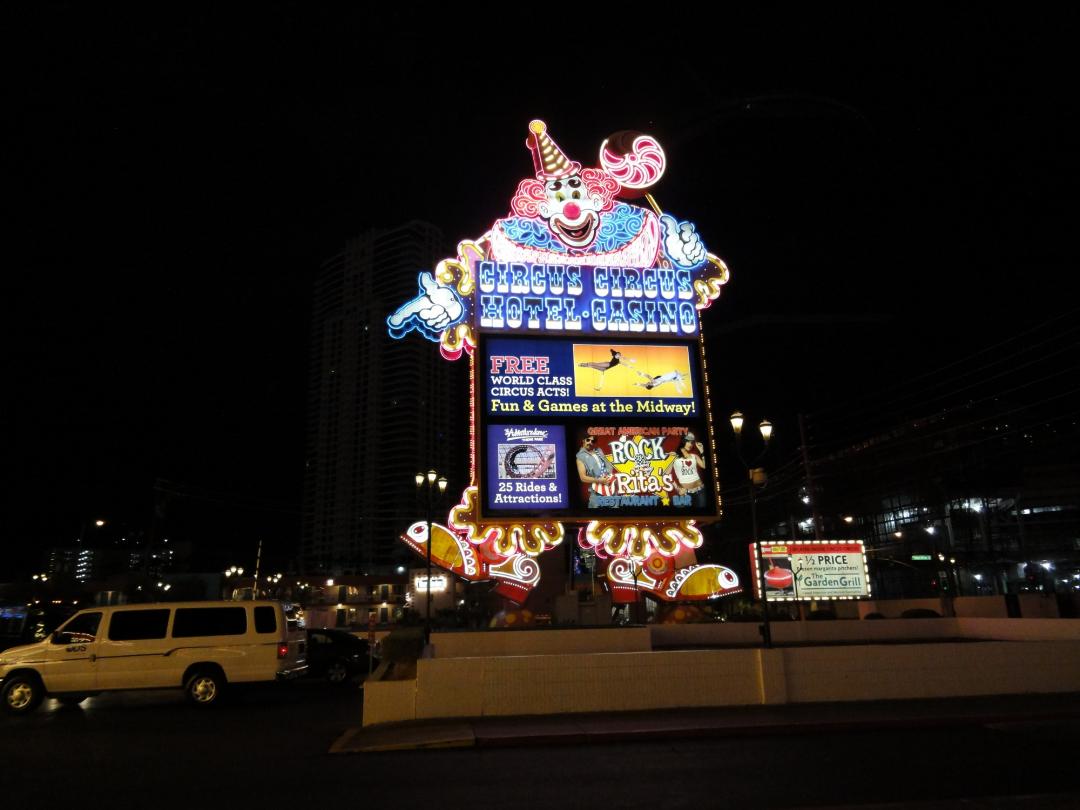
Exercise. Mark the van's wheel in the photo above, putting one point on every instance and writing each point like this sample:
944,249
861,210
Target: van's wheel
205,687
22,693
71,700
337,673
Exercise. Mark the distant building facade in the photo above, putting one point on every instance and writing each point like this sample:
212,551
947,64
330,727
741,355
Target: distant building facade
960,473
379,410
90,563
82,563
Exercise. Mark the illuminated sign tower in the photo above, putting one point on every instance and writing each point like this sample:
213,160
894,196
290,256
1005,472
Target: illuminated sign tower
579,313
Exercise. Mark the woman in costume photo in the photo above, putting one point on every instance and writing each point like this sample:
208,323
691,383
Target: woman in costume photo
685,465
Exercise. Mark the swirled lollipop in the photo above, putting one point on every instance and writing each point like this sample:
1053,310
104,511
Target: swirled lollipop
634,159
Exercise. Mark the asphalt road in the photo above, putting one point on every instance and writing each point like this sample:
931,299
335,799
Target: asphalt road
270,745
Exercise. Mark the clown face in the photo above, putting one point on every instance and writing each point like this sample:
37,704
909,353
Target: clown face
571,214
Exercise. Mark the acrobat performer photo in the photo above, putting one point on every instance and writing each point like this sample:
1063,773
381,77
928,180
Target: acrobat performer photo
685,465
616,359
676,377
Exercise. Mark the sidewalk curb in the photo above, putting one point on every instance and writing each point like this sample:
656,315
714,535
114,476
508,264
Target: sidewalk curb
471,734
360,740
586,737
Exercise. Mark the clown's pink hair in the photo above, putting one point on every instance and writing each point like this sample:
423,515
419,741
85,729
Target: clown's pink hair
530,193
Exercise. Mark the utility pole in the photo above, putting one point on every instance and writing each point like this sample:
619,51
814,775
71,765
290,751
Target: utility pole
255,587
809,479
429,480
810,492
766,429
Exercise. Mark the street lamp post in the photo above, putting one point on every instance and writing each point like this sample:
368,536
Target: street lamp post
429,480
232,571
766,429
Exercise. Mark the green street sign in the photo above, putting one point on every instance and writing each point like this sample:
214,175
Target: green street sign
921,557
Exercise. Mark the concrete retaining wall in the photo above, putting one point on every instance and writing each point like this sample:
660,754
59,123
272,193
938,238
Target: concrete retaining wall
541,642
816,674
1032,606
1020,629
556,684
389,701
745,634
507,680
893,608
980,607
726,634
522,685
1038,606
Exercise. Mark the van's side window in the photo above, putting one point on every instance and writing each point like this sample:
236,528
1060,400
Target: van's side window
216,621
80,630
265,619
129,625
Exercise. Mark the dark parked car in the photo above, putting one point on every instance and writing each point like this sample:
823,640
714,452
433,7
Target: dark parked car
337,655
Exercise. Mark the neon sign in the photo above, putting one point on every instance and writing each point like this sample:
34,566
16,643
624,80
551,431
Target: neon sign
609,292
560,376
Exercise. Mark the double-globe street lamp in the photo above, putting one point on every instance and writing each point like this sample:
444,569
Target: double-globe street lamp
232,571
431,479
766,429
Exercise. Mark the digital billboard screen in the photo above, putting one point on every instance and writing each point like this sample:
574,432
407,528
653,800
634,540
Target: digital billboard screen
580,428
526,467
592,471
588,378
627,469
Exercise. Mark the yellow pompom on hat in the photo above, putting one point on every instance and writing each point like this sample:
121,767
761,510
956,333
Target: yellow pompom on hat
550,162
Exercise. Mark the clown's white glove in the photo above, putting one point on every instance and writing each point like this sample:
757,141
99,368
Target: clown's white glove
436,307
682,244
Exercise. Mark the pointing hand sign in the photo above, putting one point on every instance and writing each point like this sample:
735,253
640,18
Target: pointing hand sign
435,308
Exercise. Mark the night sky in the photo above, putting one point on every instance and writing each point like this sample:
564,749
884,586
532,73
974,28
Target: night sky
176,176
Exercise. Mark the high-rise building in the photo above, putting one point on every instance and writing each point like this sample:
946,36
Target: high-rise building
379,410
79,563
89,562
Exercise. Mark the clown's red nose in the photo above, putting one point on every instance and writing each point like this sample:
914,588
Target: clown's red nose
572,210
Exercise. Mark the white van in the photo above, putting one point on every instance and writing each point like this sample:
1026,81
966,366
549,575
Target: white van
199,646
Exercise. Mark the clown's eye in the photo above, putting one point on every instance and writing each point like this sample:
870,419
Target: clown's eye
573,182
560,197
576,195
